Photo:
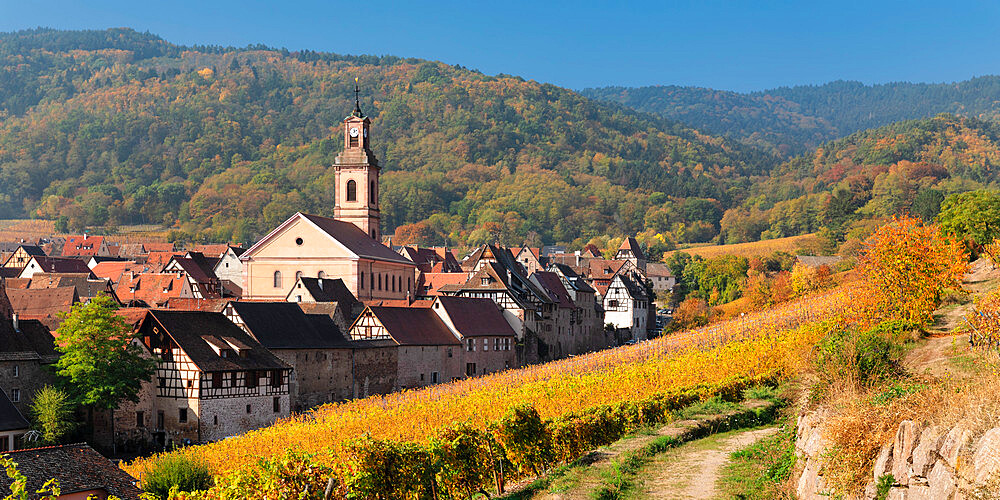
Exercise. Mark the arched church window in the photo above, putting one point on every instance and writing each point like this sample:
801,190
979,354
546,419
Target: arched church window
298,275
321,275
277,279
352,190
373,193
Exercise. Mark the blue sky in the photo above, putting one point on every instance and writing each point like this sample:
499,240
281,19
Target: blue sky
739,46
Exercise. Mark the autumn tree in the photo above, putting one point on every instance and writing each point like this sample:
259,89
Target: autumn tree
906,265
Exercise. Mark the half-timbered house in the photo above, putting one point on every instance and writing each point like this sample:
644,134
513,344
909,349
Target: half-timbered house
213,380
22,255
326,366
626,306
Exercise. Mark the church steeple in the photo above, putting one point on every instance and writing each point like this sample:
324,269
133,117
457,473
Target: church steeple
356,174
357,101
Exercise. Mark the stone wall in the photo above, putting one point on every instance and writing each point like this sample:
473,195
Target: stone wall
30,377
922,462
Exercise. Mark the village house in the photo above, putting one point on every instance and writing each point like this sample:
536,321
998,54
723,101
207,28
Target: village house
86,246
156,261
630,251
327,296
13,425
530,258
198,271
228,266
81,471
326,366
43,264
44,305
114,271
487,338
212,381
660,276
431,260
152,289
27,349
567,340
588,317
626,307
428,352
496,275
20,257
87,287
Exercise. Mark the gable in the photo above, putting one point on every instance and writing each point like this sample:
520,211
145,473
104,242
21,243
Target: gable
282,243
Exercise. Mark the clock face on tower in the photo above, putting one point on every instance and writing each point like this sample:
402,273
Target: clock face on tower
354,131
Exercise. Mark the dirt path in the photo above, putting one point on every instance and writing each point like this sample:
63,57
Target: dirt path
942,354
691,471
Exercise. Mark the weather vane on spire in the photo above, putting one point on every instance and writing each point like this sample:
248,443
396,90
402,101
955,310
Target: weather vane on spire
357,99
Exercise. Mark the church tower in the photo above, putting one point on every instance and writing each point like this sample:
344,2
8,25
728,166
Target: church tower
356,176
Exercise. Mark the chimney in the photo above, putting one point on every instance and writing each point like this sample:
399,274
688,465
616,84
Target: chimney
17,324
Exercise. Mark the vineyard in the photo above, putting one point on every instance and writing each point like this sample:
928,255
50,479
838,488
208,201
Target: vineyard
722,357
755,248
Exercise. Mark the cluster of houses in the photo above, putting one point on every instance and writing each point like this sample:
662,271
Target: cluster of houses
320,310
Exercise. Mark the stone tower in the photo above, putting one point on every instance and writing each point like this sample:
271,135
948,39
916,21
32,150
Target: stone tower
356,176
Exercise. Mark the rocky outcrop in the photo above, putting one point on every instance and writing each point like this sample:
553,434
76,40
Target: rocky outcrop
920,463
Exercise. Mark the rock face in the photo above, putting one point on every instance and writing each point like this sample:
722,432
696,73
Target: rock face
924,463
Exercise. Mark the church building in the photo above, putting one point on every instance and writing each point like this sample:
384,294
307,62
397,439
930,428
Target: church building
347,246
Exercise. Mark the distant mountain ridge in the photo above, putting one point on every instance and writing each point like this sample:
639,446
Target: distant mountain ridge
793,120
119,127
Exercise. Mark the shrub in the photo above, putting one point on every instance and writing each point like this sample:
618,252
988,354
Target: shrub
176,471
465,459
525,439
860,358
52,412
387,470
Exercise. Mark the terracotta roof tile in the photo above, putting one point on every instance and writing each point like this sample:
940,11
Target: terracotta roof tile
77,467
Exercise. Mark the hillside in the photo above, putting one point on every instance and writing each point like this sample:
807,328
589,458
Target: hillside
105,128
906,167
793,120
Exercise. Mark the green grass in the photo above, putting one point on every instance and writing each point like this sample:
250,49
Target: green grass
761,470
619,479
714,406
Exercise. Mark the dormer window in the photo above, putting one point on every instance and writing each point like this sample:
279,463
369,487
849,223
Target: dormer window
487,280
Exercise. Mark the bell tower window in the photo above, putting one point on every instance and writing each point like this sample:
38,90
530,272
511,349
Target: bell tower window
352,190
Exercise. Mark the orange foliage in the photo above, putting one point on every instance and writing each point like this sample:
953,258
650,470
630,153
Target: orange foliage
906,265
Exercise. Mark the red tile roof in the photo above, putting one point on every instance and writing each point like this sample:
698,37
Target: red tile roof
552,285
434,281
82,246
43,304
414,326
77,467
115,270
475,317
153,289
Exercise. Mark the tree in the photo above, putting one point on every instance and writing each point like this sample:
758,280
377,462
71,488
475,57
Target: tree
53,414
906,265
973,216
100,365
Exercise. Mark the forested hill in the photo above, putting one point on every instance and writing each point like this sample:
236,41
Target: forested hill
117,127
793,120
906,167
